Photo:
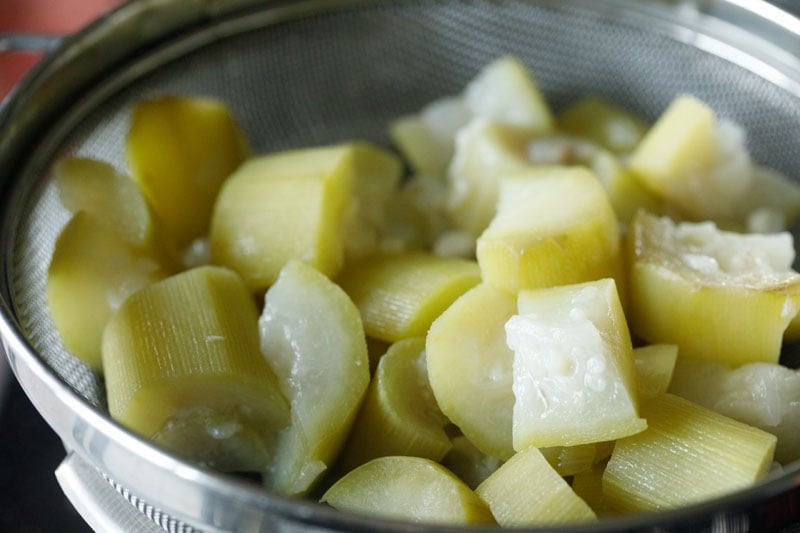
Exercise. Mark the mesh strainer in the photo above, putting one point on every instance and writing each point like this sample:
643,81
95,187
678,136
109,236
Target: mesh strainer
312,72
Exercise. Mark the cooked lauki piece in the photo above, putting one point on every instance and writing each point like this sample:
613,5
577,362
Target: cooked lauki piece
322,367
399,415
683,275
309,204
554,226
526,491
180,150
183,367
408,488
687,454
399,295
574,376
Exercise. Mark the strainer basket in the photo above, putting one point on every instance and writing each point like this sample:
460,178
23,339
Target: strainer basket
314,72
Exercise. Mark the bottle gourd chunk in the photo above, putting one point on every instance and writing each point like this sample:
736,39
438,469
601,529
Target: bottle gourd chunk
554,226
408,488
399,415
574,377
183,367
686,274
470,367
313,339
686,455
180,150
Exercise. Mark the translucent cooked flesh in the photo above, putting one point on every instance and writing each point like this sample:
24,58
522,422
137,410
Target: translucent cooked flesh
180,150
315,205
323,369
573,377
554,226
526,491
408,488
470,367
194,376
399,415
399,295
683,275
91,273
471,465
687,454
485,152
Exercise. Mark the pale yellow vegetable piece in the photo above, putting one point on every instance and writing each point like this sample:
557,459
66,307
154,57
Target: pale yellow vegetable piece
408,488
554,226
654,367
470,367
696,163
485,152
399,415
764,395
108,195
625,191
717,295
323,369
92,271
415,215
526,491
466,461
505,91
687,454
426,139
574,378
603,122
400,295
312,204
183,367
771,204
180,150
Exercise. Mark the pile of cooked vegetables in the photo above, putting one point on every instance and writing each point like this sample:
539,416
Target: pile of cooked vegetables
544,319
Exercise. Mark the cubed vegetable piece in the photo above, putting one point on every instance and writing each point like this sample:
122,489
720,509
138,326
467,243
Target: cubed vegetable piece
315,205
554,226
323,369
426,139
466,461
470,367
416,215
408,488
183,367
180,150
696,163
654,367
687,454
603,122
92,271
505,91
625,191
485,152
400,295
763,395
526,491
399,415
99,189
574,378
718,295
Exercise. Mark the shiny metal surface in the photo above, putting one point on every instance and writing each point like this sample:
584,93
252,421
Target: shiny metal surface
308,72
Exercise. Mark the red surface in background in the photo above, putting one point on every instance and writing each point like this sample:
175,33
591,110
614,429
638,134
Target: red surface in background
56,17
